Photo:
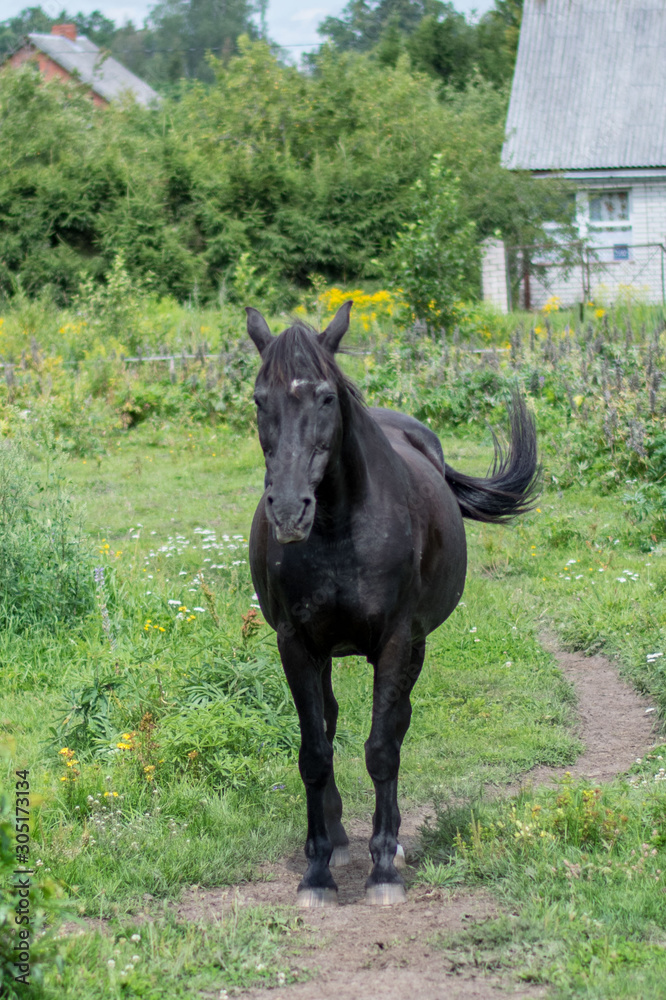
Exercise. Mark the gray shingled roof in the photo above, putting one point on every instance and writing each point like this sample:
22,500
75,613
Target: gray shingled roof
589,89
106,76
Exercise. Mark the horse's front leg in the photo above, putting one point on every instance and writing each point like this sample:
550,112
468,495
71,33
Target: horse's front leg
396,671
332,799
304,676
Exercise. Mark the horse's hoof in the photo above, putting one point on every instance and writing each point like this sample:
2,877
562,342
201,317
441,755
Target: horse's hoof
311,899
385,894
339,857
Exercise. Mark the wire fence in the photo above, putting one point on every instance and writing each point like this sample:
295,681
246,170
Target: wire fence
578,272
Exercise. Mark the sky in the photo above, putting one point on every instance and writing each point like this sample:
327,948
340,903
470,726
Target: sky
291,23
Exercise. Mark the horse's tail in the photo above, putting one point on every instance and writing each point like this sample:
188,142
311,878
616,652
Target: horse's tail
513,481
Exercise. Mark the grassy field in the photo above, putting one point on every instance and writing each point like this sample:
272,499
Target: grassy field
161,742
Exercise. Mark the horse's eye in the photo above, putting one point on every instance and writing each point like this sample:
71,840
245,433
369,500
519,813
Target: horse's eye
328,400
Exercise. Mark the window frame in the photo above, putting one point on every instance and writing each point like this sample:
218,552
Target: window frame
599,226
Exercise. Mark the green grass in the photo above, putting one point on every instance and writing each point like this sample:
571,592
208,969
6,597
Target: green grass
166,956
489,705
583,866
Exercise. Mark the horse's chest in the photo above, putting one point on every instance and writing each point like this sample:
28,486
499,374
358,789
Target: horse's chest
331,593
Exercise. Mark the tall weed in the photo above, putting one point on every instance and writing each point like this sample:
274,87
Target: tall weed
45,560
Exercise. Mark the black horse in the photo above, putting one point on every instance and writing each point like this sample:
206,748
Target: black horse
358,547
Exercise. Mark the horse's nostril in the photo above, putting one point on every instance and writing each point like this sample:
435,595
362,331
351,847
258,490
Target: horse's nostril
269,498
306,502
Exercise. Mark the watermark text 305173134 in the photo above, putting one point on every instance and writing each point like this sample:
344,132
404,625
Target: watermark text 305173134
22,873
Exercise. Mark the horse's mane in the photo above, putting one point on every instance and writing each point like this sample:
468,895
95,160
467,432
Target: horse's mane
297,353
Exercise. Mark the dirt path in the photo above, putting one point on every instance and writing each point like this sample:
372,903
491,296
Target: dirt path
354,951
615,724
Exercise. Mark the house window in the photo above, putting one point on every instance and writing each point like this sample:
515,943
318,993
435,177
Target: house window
609,209
608,224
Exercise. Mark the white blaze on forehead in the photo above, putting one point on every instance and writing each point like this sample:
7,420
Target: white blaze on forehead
296,383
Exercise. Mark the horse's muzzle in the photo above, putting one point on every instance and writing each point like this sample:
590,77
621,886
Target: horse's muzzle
285,536
290,525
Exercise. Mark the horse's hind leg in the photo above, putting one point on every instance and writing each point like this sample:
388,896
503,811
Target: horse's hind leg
304,676
396,672
332,799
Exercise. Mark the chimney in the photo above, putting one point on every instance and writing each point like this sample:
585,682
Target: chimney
65,31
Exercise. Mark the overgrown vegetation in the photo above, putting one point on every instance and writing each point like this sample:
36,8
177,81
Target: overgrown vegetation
45,899
436,258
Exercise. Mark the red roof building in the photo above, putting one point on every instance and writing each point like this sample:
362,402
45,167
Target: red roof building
67,56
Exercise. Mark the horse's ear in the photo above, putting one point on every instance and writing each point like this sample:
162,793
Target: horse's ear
337,328
257,328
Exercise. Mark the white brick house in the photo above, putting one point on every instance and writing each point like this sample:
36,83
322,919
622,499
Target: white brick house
588,103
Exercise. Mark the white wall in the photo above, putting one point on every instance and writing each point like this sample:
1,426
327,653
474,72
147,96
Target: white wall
493,275
648,212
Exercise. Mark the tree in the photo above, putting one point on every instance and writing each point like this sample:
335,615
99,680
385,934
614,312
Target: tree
14,29
174,42
438,38
303,172
99,29
497,35
362,22
510,202
183,32
444,46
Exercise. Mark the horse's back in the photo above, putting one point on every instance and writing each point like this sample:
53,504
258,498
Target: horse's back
415,433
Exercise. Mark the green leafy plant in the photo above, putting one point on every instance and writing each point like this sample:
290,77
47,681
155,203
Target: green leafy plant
647,505
88,717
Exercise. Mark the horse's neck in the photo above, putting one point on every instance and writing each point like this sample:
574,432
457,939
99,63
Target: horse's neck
362,444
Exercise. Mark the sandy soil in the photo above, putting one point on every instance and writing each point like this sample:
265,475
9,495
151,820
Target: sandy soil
354,951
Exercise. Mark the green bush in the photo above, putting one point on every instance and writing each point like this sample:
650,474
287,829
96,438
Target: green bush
647,506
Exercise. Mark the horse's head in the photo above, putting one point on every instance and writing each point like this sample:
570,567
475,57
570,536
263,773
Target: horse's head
297,393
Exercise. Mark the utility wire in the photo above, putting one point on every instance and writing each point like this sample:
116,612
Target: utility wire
206,48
